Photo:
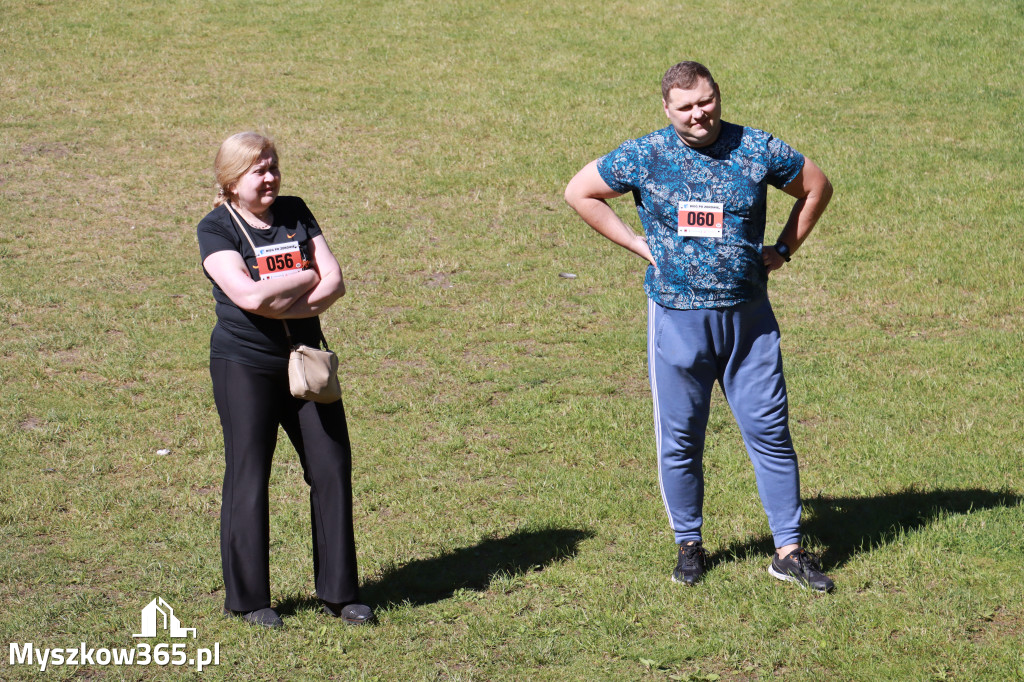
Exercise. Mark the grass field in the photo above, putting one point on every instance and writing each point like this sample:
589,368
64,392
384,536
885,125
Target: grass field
507,509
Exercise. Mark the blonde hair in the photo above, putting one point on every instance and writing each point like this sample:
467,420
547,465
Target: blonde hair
235,156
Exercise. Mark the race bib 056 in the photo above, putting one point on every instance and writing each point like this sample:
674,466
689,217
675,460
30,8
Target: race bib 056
278,260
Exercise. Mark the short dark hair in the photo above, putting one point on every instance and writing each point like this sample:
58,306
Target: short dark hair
685,75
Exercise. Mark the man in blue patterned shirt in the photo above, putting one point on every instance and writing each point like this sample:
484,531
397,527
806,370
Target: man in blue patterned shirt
700,188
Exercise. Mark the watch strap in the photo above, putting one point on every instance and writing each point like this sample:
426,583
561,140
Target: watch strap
783,250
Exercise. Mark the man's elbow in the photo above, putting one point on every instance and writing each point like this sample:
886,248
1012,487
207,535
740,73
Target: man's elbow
574,195
569,195
825,193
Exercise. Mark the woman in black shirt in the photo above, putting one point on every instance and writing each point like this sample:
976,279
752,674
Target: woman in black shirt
290,275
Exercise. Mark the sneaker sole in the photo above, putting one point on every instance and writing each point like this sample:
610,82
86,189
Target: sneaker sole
674,579
785,577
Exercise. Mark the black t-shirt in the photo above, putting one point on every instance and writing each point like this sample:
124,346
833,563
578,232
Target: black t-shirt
245,337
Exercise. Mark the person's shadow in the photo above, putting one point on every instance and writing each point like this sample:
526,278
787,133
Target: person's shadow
846,526
426,581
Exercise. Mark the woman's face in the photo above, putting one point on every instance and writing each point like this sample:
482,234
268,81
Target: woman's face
257,189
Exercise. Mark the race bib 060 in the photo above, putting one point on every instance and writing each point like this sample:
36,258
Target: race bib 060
701,219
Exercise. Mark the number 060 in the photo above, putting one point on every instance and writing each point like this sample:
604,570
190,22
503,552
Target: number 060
700,219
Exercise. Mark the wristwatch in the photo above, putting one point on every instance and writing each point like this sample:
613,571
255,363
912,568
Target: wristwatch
783,250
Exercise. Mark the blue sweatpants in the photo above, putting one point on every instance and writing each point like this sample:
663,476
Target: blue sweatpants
687,351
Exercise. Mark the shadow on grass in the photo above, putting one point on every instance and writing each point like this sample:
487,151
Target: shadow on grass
426,581
845,526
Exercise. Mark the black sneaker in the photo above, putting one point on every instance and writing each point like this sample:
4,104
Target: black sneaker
690,566
803,568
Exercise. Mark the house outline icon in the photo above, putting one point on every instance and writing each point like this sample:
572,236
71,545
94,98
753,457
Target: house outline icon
170,621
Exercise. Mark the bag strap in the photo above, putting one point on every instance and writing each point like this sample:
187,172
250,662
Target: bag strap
288,333
238,222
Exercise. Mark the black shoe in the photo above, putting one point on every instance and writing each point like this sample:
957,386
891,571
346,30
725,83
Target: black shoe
351,614
267,617
803,568
690,567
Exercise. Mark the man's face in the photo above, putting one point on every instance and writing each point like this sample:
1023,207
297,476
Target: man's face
695,113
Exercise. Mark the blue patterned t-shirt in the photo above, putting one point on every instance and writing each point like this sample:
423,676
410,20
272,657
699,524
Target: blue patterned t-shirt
695,272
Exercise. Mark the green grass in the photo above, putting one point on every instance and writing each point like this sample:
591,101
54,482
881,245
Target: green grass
508,518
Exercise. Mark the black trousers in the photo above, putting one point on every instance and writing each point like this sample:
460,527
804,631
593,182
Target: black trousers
252,403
